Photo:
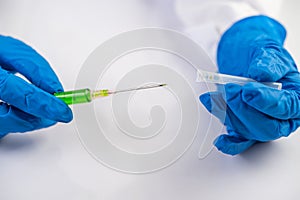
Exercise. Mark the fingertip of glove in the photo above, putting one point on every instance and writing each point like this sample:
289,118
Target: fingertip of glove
44,123
53,87
206,101
65,114
232,145
68,116
232,91
221,144
232,88
60,111
251,91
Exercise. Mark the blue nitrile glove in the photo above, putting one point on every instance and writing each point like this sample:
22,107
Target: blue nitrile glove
253,47
27,106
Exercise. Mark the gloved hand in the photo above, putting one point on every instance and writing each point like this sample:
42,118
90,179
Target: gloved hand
253,48
27,106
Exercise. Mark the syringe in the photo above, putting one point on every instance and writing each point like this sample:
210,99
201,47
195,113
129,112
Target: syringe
86,95
211,77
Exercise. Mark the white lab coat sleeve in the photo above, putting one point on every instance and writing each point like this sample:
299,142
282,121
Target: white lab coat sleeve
206,20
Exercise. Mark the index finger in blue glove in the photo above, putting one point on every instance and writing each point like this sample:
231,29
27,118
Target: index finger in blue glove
281,104
19,57
252,123
29,98
233,143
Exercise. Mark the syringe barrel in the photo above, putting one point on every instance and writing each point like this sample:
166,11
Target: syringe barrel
75,96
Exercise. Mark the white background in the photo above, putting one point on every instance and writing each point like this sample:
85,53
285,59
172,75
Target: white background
52,163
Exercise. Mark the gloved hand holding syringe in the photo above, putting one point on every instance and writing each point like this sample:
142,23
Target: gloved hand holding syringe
86,95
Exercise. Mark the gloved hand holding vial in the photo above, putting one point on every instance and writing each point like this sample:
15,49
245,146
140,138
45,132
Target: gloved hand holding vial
253,48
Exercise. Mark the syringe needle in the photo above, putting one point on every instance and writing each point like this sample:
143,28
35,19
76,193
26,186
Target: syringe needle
138,88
